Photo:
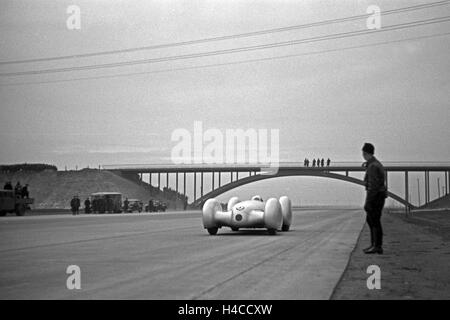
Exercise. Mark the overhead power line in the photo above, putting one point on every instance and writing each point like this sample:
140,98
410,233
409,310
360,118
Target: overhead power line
232,63
234,50
229,37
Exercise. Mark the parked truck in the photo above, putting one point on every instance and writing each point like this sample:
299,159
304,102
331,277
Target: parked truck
10,202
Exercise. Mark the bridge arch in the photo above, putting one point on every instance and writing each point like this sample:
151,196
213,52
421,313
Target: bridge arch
260,177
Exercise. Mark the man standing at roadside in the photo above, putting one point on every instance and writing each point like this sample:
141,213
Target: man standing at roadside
18,189
376,194
87,206
75,205
25,192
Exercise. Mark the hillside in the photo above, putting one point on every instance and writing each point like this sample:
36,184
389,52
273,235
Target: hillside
440,203
55,189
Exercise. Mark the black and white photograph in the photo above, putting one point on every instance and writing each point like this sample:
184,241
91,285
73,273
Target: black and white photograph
225,155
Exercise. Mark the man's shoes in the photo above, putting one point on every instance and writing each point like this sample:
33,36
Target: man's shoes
373,250
368,249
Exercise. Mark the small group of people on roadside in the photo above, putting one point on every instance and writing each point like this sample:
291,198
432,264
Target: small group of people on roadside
317,163
96,205
20,191
75,205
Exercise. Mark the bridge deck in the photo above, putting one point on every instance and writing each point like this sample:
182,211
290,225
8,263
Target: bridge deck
336,167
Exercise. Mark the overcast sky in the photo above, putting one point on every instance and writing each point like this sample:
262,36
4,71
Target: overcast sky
325,104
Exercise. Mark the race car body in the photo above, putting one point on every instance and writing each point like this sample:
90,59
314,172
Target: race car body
272,215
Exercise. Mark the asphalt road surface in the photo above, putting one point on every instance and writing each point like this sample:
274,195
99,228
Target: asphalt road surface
170,256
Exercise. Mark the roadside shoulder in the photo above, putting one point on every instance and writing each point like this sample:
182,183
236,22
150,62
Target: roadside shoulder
414,265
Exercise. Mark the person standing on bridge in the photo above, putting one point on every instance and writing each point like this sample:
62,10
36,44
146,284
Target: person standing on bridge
314,163
375,197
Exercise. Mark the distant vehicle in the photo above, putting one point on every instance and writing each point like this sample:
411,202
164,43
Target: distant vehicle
156,206
161,206
135,205
10,202
255,213
110,202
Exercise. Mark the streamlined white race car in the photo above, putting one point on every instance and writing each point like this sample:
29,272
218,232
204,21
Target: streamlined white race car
255,213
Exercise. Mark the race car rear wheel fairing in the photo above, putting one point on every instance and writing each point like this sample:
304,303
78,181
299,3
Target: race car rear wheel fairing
273,217
286,209
232,202
210,208
213,231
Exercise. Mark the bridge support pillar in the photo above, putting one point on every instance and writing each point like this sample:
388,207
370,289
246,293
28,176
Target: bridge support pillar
159,180
184,185
429,193
446,182
195,186
407,207
231,173
167,180
201,184
220,174
386,180
150,178
212,180
176,183
418,193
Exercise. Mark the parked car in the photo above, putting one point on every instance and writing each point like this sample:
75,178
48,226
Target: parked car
161,206
155,206
135,205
